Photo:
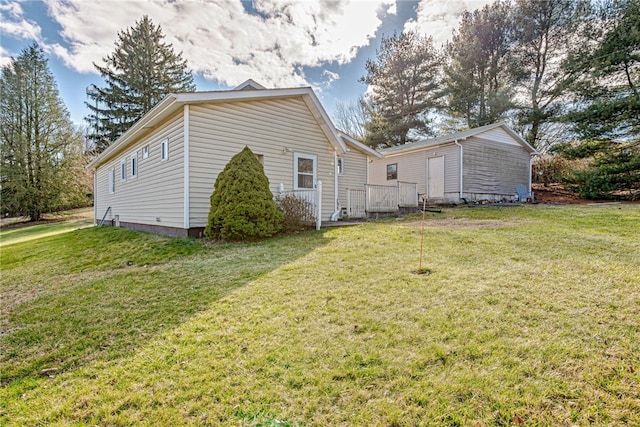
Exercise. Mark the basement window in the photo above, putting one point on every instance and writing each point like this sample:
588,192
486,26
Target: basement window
392,171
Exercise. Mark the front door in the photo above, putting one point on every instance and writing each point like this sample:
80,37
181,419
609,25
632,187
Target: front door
435,177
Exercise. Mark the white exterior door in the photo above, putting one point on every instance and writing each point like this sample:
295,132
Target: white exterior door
305,171
435,177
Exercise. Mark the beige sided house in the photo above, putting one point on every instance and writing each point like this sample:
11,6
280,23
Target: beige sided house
484,163
159,175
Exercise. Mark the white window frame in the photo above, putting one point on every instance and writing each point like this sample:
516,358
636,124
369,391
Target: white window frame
123,170
164,150
112,180
396,171
340,165
145,151
134,165
297,156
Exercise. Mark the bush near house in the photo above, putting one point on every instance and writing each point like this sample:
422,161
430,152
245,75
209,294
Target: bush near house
242,206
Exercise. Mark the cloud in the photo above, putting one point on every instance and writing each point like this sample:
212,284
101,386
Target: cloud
222,40
439,18
18,26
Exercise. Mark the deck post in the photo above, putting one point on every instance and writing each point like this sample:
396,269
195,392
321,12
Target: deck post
319,205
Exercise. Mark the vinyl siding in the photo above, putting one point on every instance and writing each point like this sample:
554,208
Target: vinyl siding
157,191
492,167
498,135
355,174
412,167
274,129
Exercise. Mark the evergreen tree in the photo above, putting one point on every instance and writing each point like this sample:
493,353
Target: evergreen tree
40,152
480,74
139,73
545,31
242,206
404,79
607,69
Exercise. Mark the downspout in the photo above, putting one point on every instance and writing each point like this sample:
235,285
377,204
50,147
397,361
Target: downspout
95,196
336,214
530,179
455,141
185,174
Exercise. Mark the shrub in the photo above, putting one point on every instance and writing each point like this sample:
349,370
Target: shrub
298,213
242,206
613,173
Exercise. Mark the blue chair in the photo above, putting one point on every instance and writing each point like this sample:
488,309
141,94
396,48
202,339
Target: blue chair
523,194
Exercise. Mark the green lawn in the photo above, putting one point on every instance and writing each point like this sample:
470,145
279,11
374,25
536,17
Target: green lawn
529,316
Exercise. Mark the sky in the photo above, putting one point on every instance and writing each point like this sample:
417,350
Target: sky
278,43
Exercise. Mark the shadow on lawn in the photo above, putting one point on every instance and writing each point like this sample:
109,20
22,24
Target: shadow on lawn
105,292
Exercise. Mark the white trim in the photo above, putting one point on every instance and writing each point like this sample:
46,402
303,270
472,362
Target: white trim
186,166
145,152
461,166
336,194
297,156
359,145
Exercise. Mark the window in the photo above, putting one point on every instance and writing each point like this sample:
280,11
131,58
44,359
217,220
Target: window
123,170
134,165
112,181
340,166
304,170
145,151
164,150
392,171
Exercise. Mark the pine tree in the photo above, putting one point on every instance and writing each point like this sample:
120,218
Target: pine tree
242,206
404,80
545,32
141,71
480,74
607,69
40,153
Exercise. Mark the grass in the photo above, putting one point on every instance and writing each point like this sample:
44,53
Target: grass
528,316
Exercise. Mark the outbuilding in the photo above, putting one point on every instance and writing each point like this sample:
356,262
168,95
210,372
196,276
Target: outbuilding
484,163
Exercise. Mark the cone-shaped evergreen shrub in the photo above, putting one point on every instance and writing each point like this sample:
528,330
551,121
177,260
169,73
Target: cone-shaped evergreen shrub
242,206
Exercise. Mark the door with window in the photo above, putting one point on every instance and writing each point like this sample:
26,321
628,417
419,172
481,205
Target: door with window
435,177
305,171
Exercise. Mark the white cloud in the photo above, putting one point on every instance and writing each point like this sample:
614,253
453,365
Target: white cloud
220,39
18,26
439,18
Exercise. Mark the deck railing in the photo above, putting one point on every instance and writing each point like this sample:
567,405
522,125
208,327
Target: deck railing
312,202
381,199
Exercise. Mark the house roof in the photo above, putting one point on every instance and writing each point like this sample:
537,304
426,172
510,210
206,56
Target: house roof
350,141
248,91
457,136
